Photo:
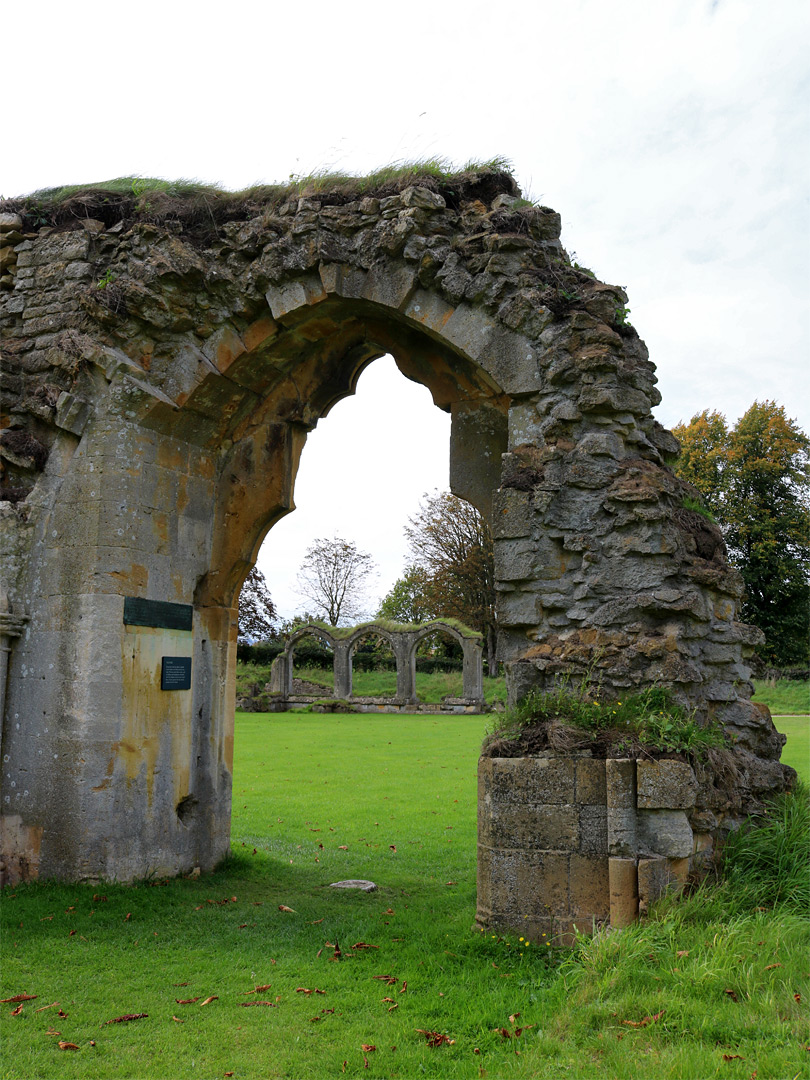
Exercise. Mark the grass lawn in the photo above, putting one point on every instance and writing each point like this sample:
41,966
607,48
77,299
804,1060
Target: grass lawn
783,696
706,987
796,752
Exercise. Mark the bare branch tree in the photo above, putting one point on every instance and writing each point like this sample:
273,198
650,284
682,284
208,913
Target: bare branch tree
451,542
333,577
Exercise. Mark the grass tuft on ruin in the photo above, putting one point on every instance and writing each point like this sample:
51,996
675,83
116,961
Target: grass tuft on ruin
567,719
190,202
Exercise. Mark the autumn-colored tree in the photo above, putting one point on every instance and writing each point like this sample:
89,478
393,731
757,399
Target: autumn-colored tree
257,612
451,544
755,478
704,452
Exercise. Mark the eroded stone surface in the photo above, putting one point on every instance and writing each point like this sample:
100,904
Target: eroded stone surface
665,785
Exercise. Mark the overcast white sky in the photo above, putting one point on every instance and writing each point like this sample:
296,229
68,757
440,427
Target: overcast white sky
673,136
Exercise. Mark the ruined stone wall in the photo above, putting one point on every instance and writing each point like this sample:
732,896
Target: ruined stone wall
569,844
163,361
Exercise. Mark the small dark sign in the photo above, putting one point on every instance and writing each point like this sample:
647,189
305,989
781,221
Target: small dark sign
175,673
159,613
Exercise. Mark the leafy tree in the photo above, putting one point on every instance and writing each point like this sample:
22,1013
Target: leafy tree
704,452
451,544
257,612
756,480
333,577
408,602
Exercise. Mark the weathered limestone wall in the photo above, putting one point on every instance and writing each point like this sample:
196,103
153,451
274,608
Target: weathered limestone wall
573,843
162,365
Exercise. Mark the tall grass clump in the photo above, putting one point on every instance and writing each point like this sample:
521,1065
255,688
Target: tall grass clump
767,861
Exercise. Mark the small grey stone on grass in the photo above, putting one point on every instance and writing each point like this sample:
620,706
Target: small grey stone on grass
354,883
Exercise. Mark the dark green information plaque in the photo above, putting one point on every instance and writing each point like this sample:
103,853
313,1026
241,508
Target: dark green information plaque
158,613
175,673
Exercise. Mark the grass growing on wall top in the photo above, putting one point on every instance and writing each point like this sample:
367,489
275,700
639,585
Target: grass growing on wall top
193,203
706,987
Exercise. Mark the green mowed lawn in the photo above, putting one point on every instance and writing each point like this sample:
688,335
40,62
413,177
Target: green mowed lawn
796,751
694,992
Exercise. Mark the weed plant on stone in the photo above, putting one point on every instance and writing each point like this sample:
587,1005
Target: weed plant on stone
649,722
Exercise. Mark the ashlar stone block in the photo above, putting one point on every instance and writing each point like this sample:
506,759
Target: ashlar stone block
665,785
665,832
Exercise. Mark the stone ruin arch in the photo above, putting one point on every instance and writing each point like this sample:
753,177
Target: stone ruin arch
403,641
162,367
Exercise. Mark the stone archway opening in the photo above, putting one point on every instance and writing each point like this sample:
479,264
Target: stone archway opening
160,421
372,653
311,659
440,656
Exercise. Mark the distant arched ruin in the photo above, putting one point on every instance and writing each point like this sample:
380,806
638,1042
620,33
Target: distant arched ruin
165,356
404,641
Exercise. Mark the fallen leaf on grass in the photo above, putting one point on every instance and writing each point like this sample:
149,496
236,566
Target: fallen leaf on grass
388,979
388,999
177,1020
392,1007
732,994
127,1017
770,967
682,952
343,847
42,1008
315,922
228,1074
258,989
68,1046
186,1001
643,1023
53,1032
513,1017
304,990
797,998
19,1009
16,998
283,907
62,1013
363,945
435,1038
367,1048
208,1000
732,1057
180,984
393,847
404,986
